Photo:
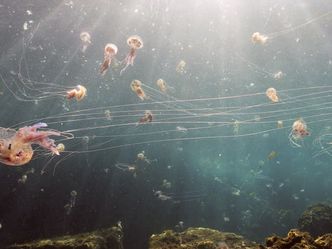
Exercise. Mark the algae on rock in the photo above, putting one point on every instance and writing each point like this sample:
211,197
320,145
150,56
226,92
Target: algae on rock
200,238
110,238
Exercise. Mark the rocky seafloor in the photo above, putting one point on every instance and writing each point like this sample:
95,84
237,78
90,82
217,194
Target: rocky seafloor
317,220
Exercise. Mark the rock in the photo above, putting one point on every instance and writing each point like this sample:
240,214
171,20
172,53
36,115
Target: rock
295,240
324,242
317,220
200,238
110,238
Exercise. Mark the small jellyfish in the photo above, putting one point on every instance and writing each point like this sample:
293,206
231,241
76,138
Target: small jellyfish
134,42
259,38
108,115
60,147
278,75
147,118
136,86
181,67
299,131
79,93
236,127
110,51
162,85
280,124
141,157
271,93
86,40
23,179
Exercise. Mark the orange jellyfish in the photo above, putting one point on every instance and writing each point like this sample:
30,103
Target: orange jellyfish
110,51
136,86
147,118
134,42
15,146
299,131
259,38
86,40
271,93
79,93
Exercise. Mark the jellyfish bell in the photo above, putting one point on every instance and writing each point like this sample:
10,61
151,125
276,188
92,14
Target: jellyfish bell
299,131
147,118
135,42
79,93
60,147
85,37
258,38
271,93
110,51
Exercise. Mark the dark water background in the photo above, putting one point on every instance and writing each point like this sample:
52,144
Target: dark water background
213,37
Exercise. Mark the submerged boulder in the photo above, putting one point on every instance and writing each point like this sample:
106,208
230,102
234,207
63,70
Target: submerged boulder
316,219
110,238
200,238
299,240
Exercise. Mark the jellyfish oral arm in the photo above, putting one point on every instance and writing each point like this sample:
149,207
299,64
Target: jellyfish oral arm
129,60
30,134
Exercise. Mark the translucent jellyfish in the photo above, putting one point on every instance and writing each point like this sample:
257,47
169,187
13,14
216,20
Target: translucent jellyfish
60,147
15,146
110,51
86,40
259,38
271,93
136,86
134,42
280,124
162,85
181,67
79,93
278,75
147,118
141,157
299,131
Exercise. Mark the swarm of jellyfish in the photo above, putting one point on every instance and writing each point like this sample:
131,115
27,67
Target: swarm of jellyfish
134,42
79,93
271,93
15,146
136,86
110,51
299,132
86,40
259,38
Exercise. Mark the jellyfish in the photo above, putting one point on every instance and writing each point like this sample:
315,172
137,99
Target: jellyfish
271,93
278,75
299,131
136,86
280,124
15,146
141,157
181,67
147,118
60,147
134,42
86,40
259,38
162,85
110,51
79,93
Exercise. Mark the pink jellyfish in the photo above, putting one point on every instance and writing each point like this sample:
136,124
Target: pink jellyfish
110,51
15,146
134,42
